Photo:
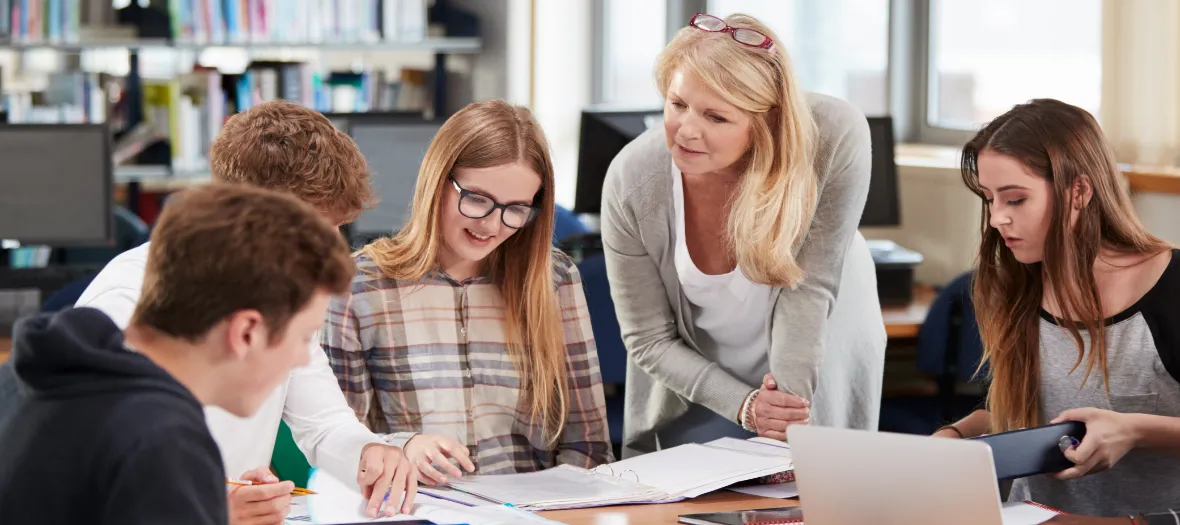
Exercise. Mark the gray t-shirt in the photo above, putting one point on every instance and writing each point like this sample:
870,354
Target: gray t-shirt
1143,363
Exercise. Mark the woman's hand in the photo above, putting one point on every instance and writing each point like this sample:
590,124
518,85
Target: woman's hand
1109,436
774,410
385,472
426,451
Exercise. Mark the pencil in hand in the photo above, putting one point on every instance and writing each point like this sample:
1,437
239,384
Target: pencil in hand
244,483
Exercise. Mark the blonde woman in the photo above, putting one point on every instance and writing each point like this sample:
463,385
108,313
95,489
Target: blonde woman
465,335
746,297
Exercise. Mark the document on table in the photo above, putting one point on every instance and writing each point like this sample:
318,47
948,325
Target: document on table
758,445
778,490
337,503
1025,513
671,474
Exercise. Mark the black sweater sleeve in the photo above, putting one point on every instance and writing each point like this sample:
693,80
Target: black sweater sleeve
173,477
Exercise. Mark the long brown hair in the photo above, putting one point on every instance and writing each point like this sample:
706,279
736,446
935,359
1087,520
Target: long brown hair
484,135
1062,143
775,202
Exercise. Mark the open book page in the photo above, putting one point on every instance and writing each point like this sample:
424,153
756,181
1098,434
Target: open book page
754,446
691,470
337,503
556,486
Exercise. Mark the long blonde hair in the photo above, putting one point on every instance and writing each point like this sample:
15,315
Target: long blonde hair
484,135
775,202
1061,143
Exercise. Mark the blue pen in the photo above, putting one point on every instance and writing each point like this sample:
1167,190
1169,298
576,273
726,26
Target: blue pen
381,507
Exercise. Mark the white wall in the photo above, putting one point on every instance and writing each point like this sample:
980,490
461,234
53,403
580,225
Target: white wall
1160,212
940,217
562,82
940,220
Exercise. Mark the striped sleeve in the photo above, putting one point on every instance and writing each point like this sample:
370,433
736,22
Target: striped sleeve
342,342
585,439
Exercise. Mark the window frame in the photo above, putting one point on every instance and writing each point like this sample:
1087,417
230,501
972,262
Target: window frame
907,73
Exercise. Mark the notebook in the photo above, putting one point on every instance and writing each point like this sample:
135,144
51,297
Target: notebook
1011,513
776,516
672,474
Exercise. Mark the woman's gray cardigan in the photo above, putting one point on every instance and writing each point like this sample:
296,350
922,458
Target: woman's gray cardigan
827,338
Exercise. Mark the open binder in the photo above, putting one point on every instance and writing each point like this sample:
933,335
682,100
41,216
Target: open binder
673,474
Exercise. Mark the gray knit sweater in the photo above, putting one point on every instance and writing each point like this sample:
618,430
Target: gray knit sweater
827,338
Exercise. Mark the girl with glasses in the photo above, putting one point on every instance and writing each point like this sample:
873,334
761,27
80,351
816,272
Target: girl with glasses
465,336
746,297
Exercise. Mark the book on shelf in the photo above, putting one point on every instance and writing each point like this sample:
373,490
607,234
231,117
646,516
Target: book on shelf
228,21
195,109
41,20
297,21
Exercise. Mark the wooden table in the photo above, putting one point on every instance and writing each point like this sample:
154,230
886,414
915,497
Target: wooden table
668,513
5,348
904,321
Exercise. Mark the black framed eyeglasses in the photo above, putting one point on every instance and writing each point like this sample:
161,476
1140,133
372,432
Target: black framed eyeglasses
744,36
474,205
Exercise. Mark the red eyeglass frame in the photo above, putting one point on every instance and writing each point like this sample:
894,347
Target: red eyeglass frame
767,42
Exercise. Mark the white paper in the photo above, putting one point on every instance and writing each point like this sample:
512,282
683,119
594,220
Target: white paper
560,484
690,470
461,498
754,446
778,490
334,502
1017,513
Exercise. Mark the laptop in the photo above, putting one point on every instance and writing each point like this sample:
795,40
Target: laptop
855,476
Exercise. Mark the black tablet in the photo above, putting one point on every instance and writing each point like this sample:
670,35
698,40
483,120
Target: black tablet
1032,451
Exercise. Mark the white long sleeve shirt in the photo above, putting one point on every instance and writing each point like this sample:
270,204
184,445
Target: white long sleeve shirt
310,400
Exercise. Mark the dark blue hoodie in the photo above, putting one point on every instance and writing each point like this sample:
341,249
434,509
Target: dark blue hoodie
102,435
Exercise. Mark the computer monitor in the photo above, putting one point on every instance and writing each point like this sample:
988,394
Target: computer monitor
56,187
394,145
883,207
604,132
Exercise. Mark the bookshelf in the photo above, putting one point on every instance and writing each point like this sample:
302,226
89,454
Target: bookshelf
280,40
446,45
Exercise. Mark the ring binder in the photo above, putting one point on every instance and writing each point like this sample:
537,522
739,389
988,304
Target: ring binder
668,475
619,475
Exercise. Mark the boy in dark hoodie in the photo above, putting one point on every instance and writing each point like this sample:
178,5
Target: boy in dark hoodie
237,282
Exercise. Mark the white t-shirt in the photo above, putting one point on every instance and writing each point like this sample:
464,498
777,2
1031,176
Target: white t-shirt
730,314
310,401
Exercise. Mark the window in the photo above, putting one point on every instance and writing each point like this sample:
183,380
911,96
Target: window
633,34
958,63
837,47
985,57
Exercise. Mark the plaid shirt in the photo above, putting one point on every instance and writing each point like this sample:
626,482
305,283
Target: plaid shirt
430,357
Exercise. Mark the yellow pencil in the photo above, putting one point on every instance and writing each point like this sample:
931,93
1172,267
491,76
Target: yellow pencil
241,483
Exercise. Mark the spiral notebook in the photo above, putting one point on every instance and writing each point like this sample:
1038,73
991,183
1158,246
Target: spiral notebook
673,474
